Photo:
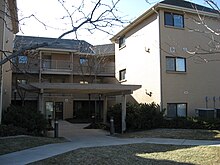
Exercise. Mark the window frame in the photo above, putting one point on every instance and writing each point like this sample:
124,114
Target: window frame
83,61
176,64
121,42
176,108
22,81
22,59
171,23
122,74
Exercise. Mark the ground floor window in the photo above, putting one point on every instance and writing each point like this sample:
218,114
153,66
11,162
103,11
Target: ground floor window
176,110
49,110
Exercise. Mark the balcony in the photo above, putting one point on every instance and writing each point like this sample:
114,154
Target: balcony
66,67
56,67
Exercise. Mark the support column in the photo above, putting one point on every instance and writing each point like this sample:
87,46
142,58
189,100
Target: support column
71,68
105,109
123,113
41,102
40,67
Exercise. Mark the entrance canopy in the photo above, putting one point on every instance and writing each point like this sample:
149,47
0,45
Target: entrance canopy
77,88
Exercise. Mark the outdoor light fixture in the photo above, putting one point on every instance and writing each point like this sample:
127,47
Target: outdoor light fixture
148,93
147,50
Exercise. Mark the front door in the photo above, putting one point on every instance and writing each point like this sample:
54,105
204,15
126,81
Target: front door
84,110
59,110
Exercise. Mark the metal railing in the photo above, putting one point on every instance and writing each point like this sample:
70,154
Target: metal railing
69,67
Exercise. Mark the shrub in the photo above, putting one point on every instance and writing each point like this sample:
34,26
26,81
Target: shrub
28,118
10,130
138,116
192,123
143,116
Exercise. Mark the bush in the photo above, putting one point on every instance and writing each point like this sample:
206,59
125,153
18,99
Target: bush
192,123
138,116
148,116
27,118
10,130
143,116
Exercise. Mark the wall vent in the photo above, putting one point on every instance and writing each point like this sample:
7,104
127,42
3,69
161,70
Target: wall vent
172,49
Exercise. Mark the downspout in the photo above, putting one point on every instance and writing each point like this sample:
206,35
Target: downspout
1,72
161,69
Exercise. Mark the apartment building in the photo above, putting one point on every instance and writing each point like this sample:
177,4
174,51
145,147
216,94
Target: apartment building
8,27
172,50
66,78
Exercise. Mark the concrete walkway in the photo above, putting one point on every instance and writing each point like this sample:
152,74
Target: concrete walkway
82,138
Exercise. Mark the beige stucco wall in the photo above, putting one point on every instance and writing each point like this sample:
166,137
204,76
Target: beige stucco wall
201,78
6,44
142,67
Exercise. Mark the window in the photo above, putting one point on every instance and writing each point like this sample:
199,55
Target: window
176,110
121,42
175,20
176,64
49,109
22,59
83,60
22,81
122,74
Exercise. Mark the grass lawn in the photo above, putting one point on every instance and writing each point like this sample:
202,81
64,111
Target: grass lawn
193,134
13,144
138,154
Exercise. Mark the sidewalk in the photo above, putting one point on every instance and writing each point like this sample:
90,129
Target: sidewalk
82,138
46,151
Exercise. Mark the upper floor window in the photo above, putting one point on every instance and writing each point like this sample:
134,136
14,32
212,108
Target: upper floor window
121,42
122,74
175,20
22,81
83,60
22,59
176,64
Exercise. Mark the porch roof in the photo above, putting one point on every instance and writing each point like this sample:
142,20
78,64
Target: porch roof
77,88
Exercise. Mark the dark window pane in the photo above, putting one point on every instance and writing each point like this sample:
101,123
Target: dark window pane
170,64
171,110
168,19
121,42
122,74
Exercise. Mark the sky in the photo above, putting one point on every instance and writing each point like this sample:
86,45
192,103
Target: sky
50,12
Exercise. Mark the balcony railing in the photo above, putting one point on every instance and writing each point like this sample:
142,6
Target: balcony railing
66,67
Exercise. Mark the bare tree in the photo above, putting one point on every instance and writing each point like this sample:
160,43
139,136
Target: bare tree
96,63
101,16
201,26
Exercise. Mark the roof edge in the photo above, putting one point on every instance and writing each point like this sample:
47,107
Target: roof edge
135,22
154,9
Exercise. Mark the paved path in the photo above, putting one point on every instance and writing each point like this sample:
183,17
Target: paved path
82,138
